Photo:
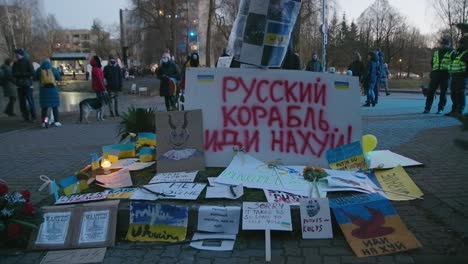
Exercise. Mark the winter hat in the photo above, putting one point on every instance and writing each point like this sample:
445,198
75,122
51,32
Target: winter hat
20,52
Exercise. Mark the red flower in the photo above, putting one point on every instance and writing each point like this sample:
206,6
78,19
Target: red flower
3,189
14,231
28,209
26,195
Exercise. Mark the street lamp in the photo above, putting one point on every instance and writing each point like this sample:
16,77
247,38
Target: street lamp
399,73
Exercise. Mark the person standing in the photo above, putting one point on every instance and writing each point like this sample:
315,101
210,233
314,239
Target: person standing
457,70
97,80
314,65
380,64
370,78
384,78
48,91
169,74
441,60
9,88
114,79
357,66
23,72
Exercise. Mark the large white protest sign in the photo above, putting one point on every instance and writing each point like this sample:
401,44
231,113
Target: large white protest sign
266,216
225,191
252,173
294,116
282,197
174,177
385,159
54,229
315,218
177,191
94,226
118,179
219,219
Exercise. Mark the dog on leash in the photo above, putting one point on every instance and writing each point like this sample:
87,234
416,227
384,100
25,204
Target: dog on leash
87,106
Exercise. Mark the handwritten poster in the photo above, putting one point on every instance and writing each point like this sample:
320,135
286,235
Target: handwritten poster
75,256
214,242
120,193
371,225
348,157
385,159
118,179
94,226
396,181
157,222
81,198
266,216
218,219
174,177
315,218
294,116
177,191
282,197
54,228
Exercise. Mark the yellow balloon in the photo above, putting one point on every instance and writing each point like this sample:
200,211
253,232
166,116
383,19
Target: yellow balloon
369,143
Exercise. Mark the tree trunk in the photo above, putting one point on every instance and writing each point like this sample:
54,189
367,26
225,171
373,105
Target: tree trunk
208,33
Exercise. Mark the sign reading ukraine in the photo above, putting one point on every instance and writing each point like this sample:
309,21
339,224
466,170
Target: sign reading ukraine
372,226
157,222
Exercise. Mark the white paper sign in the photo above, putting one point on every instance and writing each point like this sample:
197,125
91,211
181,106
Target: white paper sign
118,179
212,181
94,226
123,163
315,218
140,165
176,191
174,177
81,198
294,116
385,159
282,197
54,229
219,219
266,216
228,192
214,242
224,62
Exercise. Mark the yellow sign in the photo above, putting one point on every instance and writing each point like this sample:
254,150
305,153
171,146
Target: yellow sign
350,164
156,233
396,181
276,40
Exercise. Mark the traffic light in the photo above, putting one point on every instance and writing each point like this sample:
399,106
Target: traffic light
192,34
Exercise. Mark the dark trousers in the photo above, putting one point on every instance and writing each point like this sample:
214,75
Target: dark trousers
438,79
54,111
26,103
114,103
170,102
457,90
9,109
376,90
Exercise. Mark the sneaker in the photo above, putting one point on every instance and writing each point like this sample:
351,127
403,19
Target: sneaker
57,124
366,105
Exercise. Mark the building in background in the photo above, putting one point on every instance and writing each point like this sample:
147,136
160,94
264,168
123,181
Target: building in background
77,40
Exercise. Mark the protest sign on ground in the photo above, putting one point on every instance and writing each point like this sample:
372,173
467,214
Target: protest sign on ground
75,256
218,219
282,197
266,216
315,218
176,190
385,159
397,184
293,116
214,242
348,157
174,177
121,193
118,179
225,191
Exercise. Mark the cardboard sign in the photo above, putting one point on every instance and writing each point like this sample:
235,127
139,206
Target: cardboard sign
81,198
121,193
174,177
219,219
224,62
118,179
397,184
157,222
176,191
75,256
282,197
54,228
315,218
266,216
294,116
348,157
94,227
371,225
247,171
122,151
180,141
214,242
225,191
385,159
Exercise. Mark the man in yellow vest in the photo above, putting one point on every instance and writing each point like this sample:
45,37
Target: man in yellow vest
458,72
440,63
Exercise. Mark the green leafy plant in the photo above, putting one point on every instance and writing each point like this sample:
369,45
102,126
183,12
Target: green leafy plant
137,120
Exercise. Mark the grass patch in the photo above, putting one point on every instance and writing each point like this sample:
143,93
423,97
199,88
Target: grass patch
407,83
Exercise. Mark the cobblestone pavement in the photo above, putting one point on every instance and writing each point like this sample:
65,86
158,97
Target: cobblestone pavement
438,221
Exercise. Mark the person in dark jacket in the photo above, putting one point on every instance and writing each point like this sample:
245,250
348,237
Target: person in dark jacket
380,65
370,78
9,87
441,60
97,80
114,79
458,72
357,66
23,72
314,65
169,74
48,94
291,60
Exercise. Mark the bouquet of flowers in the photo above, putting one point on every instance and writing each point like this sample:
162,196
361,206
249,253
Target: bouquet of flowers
313,174
17,216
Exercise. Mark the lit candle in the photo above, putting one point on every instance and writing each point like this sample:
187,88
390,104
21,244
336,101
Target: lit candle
105,164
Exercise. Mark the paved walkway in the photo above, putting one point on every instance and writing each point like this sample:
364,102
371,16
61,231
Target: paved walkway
438,221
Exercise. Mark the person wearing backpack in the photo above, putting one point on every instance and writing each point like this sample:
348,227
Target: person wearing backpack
9,89
23,72
48,91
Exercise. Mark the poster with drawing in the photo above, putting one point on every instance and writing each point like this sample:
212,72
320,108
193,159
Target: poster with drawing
180,141
94,226
315,218
54,228
262,30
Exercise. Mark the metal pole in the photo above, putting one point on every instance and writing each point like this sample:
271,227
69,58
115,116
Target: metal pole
325,35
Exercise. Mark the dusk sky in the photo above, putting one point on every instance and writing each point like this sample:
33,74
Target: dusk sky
80,14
